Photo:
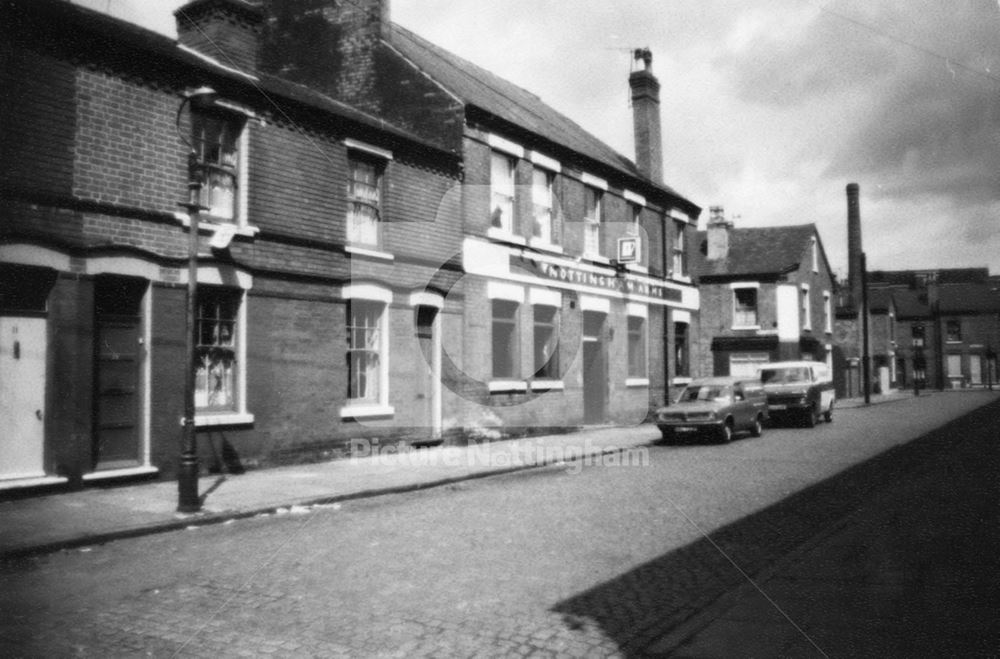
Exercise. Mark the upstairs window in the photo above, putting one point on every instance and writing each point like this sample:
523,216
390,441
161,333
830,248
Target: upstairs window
217,146
592,198
541,197
827,313
953,330
745,307
365,200
806,308
680,250
502,192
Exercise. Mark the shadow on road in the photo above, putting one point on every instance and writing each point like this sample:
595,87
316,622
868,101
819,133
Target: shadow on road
646,603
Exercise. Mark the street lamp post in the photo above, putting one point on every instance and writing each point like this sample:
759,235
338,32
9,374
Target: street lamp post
188,500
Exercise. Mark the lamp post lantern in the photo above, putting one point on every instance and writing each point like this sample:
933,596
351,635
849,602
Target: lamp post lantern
188,500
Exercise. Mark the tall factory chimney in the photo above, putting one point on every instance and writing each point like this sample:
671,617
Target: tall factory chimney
854,244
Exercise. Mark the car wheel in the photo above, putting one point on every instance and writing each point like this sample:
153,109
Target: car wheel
669,437
726,432
757,429
810,417
828,415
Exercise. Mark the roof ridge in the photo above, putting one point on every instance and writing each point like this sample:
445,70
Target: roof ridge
508,90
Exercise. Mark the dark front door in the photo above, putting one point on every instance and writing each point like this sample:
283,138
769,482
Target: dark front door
595,379
117,439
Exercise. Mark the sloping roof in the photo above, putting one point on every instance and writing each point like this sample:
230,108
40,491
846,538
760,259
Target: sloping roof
477,87
911,303
756,251
74,28
879,299
968,298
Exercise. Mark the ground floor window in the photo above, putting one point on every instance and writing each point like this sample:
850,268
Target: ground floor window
546,342
215,358
364,351
954,366
636,347
682,366
745,365
506,356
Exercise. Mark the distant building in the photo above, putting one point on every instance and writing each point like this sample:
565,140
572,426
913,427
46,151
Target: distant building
946,326
937,328
766,295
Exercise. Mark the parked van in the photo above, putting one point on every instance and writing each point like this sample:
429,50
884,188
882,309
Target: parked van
799,390
716,407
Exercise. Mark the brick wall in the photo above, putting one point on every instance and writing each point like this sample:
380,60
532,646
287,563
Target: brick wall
37,111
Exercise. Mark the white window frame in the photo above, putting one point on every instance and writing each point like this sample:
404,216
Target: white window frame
512,380
212,276
739,286
370,293
543,207
377,161
592,222
503,190
678,262
805,307
827,313
814,254
236,122
638,312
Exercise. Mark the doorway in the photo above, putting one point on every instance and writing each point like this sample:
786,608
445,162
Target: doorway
118,358
23,350
595,368
429,337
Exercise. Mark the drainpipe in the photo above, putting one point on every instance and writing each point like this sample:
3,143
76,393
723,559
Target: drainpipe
866,351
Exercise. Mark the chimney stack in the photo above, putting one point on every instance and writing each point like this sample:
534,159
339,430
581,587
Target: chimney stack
853,244
718,233
646,118
228,31
329,45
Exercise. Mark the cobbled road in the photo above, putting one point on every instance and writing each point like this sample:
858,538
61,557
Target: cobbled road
561,561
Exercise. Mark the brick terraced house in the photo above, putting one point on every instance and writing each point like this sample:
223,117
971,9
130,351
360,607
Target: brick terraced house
766,295
393,244
326,261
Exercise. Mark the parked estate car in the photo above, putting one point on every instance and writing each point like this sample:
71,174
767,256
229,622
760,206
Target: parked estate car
717,407
799,390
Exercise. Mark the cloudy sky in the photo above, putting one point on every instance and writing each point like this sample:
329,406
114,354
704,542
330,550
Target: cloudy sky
770,107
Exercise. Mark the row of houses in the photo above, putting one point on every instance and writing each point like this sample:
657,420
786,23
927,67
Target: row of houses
392,243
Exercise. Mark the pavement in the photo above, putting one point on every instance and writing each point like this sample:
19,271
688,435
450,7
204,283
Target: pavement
43,524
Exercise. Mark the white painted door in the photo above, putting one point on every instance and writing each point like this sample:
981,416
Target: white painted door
22,397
